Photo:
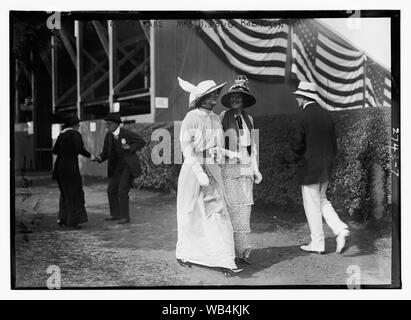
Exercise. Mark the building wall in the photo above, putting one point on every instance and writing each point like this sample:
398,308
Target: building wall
23,152
93,142
180,51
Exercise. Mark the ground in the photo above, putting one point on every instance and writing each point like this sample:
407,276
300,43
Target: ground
142,253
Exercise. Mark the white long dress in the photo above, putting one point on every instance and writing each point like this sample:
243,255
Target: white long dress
205,234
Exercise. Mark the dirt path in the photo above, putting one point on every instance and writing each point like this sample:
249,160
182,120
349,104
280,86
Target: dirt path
142,253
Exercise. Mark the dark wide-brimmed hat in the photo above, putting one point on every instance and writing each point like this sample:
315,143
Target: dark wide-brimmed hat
71,120
113,117
201,90
240,86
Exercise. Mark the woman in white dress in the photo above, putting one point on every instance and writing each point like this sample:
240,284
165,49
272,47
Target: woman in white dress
205,234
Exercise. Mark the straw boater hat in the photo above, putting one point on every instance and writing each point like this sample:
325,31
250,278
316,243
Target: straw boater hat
199,91
308,90
240,86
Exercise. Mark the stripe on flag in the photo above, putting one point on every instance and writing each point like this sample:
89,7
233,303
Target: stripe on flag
257,48
337,71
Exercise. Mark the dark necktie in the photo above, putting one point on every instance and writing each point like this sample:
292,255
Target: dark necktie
239,122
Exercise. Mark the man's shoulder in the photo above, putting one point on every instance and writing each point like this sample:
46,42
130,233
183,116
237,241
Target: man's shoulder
127,131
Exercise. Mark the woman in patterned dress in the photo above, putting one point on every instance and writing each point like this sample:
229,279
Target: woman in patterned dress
205,234
240,175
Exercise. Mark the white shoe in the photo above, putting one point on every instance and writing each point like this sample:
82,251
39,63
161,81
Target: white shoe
341,239
308,248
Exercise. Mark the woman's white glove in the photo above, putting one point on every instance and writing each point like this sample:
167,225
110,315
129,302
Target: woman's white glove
190,158
201,175
257,174
218,151
233,154
258,177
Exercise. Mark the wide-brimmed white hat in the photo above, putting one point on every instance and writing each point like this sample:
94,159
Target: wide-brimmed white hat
307,89
199,91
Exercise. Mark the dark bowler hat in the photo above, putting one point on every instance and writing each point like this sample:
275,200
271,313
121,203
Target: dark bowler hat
113,117
71,120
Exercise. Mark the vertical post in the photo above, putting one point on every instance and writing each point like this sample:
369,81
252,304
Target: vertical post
364,81
32,77
146,53
152,73
16,91
289,56
111,56
35,118
54,71
79,65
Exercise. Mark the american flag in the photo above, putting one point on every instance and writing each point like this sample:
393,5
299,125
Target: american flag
337,70
378,84
257,48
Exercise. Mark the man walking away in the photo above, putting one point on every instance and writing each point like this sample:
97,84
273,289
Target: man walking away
315,143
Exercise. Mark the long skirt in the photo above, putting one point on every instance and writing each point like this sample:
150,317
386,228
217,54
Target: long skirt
72,209
238,185
205,234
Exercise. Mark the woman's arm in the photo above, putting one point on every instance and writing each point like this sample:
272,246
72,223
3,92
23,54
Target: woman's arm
254,153
104,153
56,148
79,145
187,136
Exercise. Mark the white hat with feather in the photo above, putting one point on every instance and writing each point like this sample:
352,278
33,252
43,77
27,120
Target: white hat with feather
199,91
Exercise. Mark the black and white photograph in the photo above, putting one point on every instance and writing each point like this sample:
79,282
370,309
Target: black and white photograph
205,149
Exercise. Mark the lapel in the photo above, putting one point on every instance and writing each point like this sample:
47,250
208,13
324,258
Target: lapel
121,134
111,143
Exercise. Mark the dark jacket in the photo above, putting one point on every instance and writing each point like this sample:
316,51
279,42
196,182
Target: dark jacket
112,145
315,143
68,146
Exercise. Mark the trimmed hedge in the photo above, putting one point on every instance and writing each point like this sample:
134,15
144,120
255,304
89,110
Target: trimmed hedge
363,143
162,177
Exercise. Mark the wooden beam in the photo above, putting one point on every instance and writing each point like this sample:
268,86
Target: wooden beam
152,74
67,45
131,75
98,82
16,91
78,26
139,43
132,40
54,78
85,79
97,64
112,61
88,55
46,61
127,56
101,35
26,72
68,92
146,33
146,55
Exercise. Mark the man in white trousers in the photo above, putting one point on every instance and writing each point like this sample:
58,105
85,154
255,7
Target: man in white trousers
315,142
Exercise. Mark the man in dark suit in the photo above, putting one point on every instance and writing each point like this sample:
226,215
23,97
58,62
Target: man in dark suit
315,143
120,146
